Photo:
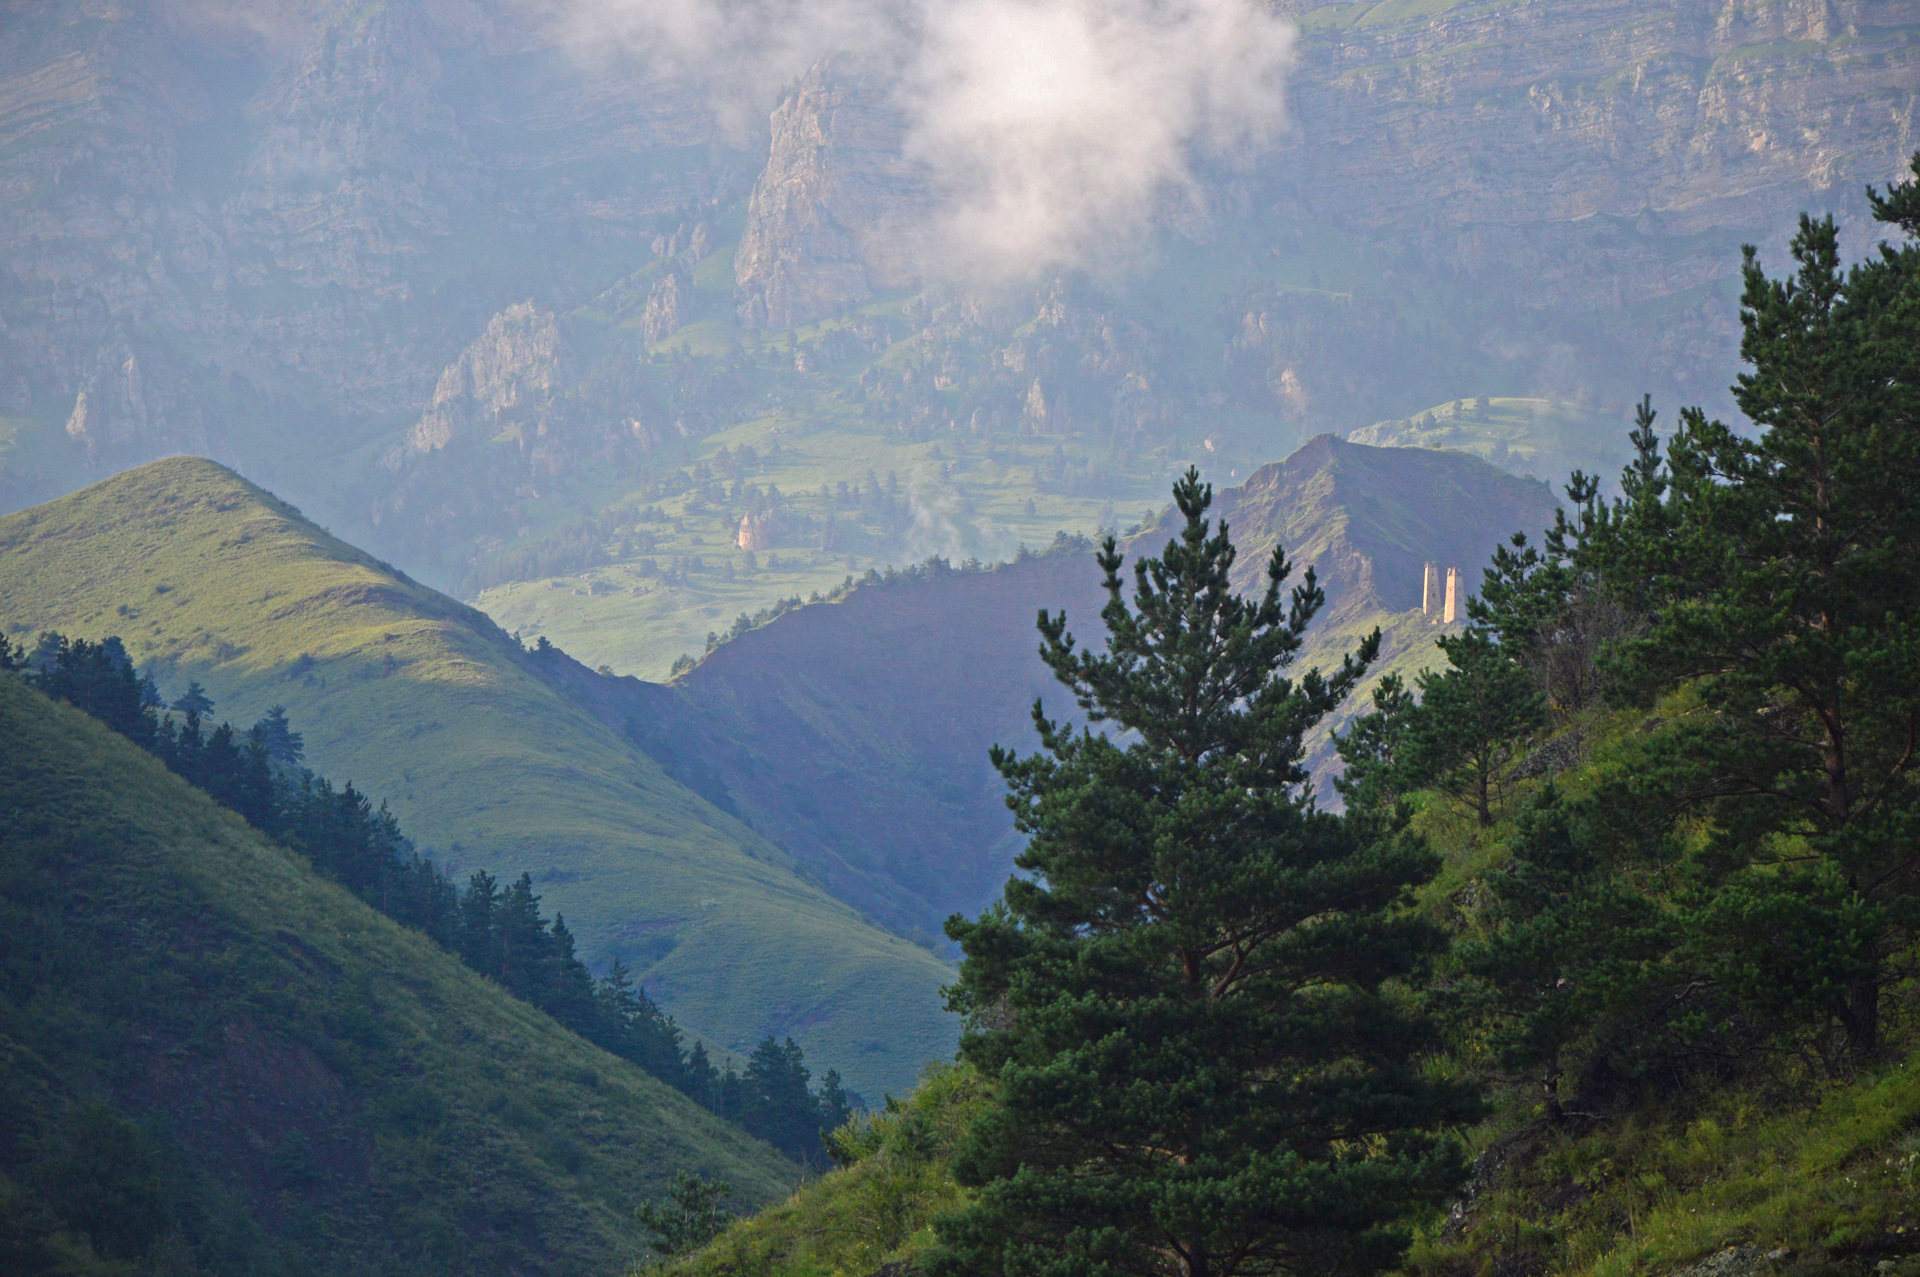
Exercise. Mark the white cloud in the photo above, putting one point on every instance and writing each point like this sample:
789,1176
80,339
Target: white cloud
1051,129
1054,127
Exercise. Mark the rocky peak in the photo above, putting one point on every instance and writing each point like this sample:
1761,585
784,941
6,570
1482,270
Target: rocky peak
828,221
506,377
1368,520
669,305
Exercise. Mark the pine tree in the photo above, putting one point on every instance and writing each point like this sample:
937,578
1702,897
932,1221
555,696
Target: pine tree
194,701
283,744
1376,753
1470,720
1198,1071
1568,946
97,677
690,1216
477,929
1786,576
776,1104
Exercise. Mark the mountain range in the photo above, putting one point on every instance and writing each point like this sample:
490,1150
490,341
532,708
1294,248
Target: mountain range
508,304
855,734
771,841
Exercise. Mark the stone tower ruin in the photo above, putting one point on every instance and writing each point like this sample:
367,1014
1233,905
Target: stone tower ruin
1440,598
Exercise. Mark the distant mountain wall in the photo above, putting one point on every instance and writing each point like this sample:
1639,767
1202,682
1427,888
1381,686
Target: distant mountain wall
268,241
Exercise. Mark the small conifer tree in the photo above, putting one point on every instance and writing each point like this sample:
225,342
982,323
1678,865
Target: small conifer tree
1470,719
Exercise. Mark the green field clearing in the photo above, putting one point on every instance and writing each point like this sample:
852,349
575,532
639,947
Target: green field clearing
965,505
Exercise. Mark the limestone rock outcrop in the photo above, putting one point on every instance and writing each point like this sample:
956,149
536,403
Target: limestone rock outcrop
830,220
505,379
669,306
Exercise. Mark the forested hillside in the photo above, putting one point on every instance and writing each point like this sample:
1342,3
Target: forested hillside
215,1061
483,752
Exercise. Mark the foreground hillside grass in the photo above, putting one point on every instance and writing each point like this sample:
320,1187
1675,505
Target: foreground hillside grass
1786,1172
1820,1172
874,1214
326,1091
424,702
1830,1175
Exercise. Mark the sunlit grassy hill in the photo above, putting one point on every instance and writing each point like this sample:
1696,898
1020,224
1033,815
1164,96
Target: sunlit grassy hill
315,1088
486,760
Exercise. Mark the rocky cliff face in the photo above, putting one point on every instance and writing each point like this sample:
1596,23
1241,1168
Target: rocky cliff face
669,305
220,218
1592,163
1601,156
830,218
504,381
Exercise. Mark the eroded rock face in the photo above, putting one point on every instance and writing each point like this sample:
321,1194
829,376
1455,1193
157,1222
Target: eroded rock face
506,378
669,306
229,239
829,222
243,201
1606,155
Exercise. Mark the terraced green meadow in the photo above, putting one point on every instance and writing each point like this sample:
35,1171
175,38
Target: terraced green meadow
961,503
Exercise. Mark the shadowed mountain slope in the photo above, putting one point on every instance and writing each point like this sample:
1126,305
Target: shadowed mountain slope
1368,519
855,734
316,1089
484,752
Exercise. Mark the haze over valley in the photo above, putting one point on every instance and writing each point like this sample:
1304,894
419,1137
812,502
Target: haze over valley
521,528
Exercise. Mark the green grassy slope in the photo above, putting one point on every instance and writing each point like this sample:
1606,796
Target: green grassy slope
1823,1183
327,1091
424,702
872,1214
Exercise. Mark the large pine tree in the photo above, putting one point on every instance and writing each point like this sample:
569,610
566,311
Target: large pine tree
1785,583
1185,998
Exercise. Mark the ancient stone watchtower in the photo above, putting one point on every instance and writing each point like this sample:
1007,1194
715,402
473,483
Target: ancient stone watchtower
1440,598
